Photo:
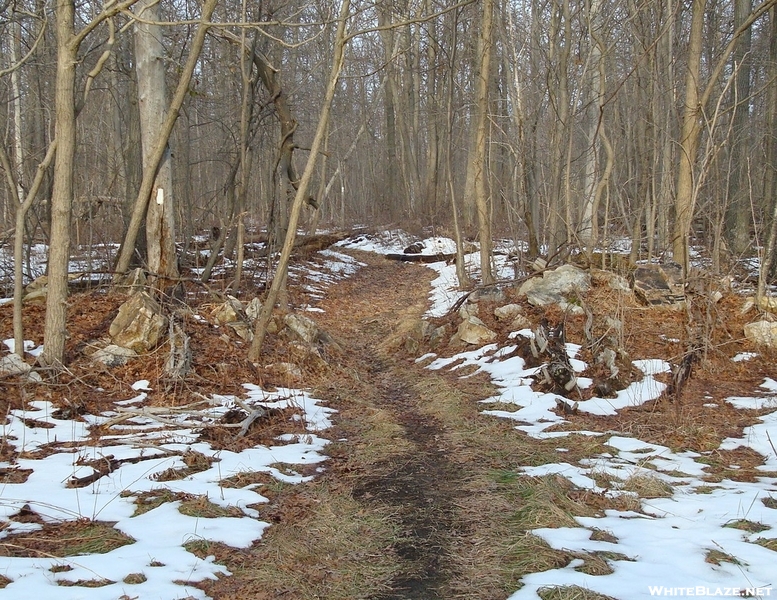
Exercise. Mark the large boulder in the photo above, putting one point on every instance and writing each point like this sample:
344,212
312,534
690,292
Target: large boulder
555,286
763,333
139,324
659,285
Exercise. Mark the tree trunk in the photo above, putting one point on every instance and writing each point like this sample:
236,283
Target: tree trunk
480,184
769,258
55,327
152,103
388,37
285,162
559,51
690,130
160,147
739,214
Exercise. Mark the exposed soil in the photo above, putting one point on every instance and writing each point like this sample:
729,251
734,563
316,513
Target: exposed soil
421,485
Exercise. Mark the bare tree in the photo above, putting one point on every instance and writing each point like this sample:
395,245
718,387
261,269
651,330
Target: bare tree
300,198
160,147
480,174
152,102
696,100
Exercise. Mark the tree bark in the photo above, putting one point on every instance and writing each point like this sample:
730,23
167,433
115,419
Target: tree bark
739,214
160,147
690,130
55,327
152,103
482,200
769,258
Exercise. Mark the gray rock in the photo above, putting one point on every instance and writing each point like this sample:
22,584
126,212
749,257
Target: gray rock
37,296
412,345
179,355
420,331
520,322
437,336
508,311
228,311
556,285
659,285
286,370
301,327
253,309
488,294
469,309
113,355
36,291
13,364
139,324
132,282
474,331
571,308
614,281
33,377
242,330
763,333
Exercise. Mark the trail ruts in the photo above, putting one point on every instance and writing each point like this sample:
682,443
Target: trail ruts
420,483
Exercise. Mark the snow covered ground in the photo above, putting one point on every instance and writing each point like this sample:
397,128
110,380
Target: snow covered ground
659,551
143,449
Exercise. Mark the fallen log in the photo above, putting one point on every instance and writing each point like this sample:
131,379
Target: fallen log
422,258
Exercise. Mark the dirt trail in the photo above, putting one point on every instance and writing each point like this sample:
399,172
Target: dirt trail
421,484
405,508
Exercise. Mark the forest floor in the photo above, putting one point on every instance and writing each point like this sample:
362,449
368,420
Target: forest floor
418,498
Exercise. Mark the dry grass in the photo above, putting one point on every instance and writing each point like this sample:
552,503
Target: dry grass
148,501
202,508
769,543
769,502
716,557
647,486
594,564
324,545
195,462
135,579
600,535
570,592
72,538
87,583
749,526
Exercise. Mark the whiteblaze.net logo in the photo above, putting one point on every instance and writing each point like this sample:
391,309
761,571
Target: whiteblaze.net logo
701,591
